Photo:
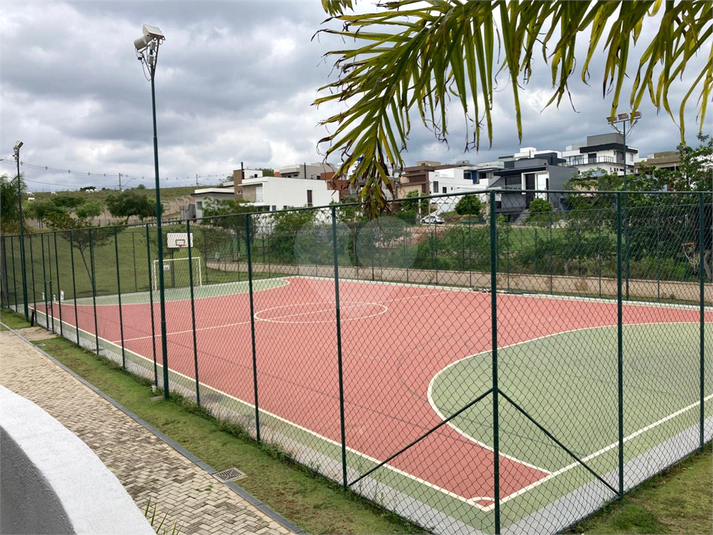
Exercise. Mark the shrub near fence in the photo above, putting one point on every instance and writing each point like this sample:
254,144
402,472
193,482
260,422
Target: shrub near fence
473,376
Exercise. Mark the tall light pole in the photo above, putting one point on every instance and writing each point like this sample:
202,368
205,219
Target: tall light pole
16,149
622,119
147,52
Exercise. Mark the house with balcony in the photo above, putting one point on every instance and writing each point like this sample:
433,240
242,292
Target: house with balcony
603,151
531,178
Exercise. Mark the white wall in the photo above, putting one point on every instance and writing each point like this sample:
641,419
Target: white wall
279,193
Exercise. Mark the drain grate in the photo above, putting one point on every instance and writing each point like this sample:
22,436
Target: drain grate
229,475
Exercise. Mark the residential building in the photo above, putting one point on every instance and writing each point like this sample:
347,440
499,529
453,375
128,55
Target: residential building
462,177
206,195
305,171
603,151
669,160
272,193
546,171
416,178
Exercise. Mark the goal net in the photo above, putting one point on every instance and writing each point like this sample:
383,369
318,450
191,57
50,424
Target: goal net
176,272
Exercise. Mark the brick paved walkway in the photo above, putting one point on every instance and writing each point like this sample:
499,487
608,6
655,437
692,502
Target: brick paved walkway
147,467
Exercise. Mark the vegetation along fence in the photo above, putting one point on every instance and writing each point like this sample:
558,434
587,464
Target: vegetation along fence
469,367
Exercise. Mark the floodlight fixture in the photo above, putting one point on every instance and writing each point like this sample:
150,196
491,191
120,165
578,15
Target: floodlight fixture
150,34
17,147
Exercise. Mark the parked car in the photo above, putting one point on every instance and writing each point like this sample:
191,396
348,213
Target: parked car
432,220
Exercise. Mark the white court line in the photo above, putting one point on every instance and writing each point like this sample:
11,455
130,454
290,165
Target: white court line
293,424
602,451
523,293
69,301
575,464
469,501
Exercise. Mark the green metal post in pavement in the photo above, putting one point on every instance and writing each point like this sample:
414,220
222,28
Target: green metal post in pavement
494,355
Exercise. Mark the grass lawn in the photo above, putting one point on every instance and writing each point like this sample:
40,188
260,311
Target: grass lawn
678,501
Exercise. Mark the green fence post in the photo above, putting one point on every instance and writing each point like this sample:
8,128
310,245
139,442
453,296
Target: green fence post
628,239
153,320
248,246
32,273
373,247
4,272
620,342
536,253
74,284
470,252
193,309
14,275
118,290
702,310
340,367
494,355
507,253
133,251
44,283
552,288
59,285
405,258
205,248
599,251
51,303
94,289
658,246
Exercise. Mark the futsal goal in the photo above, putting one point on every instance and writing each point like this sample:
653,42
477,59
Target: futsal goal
176,273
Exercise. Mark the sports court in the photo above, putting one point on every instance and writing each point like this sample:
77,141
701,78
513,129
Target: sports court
413,356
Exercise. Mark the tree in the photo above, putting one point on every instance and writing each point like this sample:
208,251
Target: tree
68,201
540,211
469,205
40,208
413,58
9,210
130,203
80,224
411,205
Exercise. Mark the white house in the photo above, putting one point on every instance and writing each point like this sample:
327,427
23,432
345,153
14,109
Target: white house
278,193
603,151
200,196
463,177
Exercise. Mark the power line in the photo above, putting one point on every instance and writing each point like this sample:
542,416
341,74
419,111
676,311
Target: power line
48,169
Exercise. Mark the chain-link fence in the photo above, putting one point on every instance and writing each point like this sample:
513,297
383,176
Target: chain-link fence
475,363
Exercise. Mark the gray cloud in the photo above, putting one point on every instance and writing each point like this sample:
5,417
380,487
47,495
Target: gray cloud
235,83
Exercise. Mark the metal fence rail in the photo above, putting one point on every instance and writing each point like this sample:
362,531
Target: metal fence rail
476,371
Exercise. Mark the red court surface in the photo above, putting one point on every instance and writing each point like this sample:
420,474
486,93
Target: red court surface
395,339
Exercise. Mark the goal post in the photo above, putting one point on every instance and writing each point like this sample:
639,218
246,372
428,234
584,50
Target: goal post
179,275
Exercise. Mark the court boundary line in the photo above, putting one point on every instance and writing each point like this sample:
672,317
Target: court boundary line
284,279
515,293
469,501
288,422
551,475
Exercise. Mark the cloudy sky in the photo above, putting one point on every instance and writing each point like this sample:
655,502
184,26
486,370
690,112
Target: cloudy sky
235,82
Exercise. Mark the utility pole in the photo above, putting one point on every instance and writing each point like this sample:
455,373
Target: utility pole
119,182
